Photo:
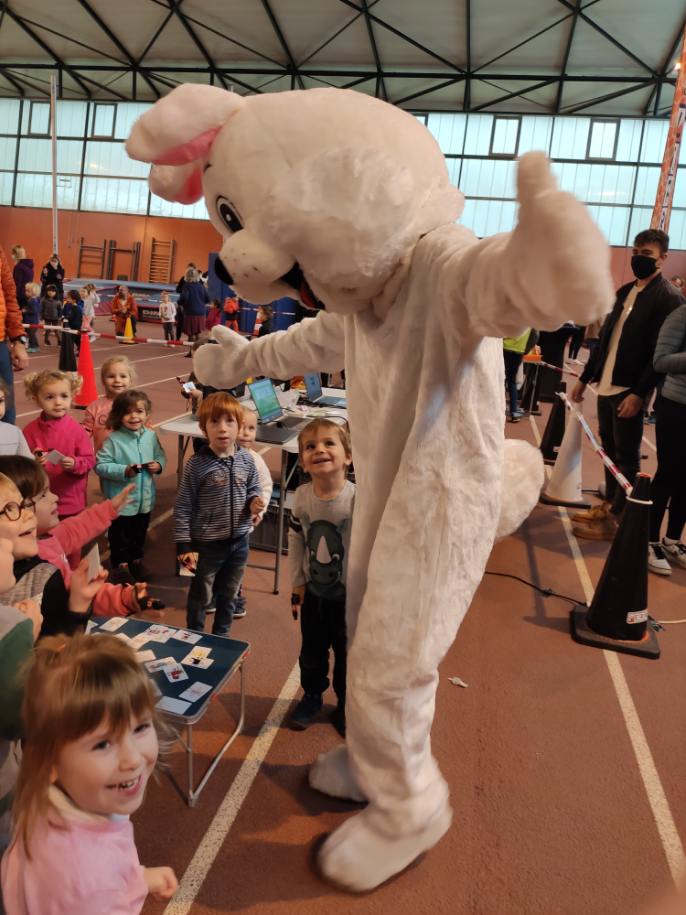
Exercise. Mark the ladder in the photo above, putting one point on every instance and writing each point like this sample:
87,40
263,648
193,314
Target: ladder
162,256
91,262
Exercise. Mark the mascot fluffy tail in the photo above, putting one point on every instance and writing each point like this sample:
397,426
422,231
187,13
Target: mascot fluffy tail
523,477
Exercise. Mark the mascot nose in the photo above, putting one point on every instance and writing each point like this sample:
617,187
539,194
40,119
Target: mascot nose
222,272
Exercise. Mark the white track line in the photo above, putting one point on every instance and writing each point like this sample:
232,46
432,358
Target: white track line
657,799
224,818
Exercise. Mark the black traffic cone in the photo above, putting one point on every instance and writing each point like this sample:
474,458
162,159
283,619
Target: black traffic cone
529,397
554,428
618,616
67,361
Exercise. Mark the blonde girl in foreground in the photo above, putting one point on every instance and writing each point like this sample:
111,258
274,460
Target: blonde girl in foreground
90,747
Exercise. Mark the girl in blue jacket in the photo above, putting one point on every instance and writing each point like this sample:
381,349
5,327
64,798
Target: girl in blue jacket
132,453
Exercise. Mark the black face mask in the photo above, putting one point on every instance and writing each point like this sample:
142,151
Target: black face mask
643,266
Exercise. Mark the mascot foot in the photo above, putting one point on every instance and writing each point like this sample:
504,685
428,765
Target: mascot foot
357,858
331,775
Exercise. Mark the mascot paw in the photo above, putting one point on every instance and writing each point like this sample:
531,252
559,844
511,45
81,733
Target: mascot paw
331,775
219,366
357,858
523,476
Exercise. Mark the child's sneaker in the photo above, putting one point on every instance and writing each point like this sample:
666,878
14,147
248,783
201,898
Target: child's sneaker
657,562
239,613
306,711
675,550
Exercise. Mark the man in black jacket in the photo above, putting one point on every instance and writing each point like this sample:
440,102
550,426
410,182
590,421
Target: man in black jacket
622,366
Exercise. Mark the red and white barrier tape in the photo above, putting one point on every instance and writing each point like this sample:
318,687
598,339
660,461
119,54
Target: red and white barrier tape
609,463
94,333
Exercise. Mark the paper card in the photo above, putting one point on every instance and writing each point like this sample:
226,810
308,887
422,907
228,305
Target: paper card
112,624
183,635
175,674
90,625
154,666
199,652
93,557
139,640
143,656
158,633
202,663
168,704
123,636
195,692
54,456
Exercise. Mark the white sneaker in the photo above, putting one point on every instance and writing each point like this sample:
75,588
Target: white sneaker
657,561
675,550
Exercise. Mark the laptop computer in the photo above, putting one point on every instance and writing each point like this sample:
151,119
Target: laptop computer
273,427
313,385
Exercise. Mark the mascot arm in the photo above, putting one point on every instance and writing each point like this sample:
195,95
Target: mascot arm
553,267
313,345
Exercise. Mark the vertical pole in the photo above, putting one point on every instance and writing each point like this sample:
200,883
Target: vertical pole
665,189
53,137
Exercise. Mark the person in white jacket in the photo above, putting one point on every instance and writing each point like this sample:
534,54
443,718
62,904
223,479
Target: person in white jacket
347,200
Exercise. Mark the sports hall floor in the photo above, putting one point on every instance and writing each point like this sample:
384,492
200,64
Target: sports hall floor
566,764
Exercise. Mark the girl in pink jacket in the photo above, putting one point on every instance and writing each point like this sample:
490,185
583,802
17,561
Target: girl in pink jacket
58,443
58,539
117,376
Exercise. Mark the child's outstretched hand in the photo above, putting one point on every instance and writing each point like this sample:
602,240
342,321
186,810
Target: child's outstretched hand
189,560
122,498
68,463
82,590
31,609
161,882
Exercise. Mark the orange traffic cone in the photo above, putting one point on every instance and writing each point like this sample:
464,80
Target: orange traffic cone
564,485
618,617
89,389
128,332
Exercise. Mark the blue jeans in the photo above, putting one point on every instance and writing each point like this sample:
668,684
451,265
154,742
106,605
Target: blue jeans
8,377
512,363
221,564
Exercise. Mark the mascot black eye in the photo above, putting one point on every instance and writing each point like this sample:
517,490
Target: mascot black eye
228,215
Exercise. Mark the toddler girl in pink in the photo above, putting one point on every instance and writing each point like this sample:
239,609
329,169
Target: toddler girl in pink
56,431
90,746
117,376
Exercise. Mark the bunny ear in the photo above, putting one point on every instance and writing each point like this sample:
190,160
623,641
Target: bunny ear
181,184
181,127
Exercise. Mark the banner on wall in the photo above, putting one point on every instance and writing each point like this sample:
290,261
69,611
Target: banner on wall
670,161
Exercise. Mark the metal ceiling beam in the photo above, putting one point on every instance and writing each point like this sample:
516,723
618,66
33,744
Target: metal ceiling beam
655,94
158,31
448,82
18,86
174,7
41,44
610,38
117,43
332,37
407,38
573,109
520,92
292,66
565,59
381,91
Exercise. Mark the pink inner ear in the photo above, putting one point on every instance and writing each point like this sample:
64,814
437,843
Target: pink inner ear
197,148
192,189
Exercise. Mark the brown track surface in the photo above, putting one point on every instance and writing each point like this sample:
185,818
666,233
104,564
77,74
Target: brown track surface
551,814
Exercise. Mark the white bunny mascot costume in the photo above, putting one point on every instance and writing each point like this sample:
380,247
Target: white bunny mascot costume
346,200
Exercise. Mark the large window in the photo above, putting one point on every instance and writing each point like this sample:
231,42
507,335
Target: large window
611,165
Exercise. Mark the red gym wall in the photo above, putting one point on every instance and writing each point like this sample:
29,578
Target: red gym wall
32,228
195,239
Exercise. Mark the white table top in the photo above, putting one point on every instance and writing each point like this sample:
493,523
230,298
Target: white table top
188,424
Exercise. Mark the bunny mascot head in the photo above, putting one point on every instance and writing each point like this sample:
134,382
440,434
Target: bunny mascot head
344,201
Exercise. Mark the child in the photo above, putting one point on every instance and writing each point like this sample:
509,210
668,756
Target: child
230,313
57,539
55,430
318,543
213,315
90,746
72,315
131,453
167,316
90,300
61,610
51,311
31,312
117,375
12,439
217,501
246,439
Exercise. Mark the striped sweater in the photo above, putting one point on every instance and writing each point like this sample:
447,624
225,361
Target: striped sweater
213,501
670,355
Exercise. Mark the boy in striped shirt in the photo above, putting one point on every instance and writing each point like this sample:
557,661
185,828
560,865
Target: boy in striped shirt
216,505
